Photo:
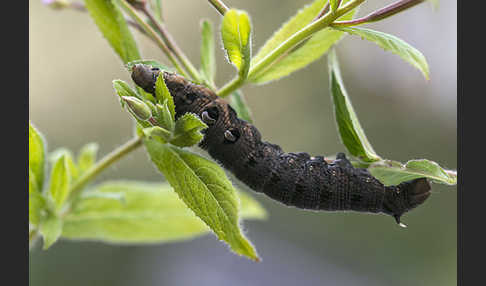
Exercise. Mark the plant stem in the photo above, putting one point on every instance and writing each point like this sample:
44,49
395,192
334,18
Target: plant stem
152,34
102,164
231,86
171,44
380,14
291,42
219,5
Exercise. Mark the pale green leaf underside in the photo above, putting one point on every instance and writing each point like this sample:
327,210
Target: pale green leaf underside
148,213
393,173
392,44
205,189
350,130
309,52
114,28
235,33
37,153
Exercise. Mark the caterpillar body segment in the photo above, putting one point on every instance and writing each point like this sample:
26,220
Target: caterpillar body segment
294,179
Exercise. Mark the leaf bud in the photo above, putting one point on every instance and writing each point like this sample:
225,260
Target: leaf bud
138,107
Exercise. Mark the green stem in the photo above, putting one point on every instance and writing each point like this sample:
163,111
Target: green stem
290,43
231,86
102,164
151,33
171,44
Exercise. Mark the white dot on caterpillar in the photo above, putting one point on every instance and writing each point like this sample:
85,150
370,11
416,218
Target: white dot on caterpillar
229,136
206,118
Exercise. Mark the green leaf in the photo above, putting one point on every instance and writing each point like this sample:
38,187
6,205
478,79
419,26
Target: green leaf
164,116
187,131
123,89
393,173
36,201
205,189
235,32
114,28
50,229
157,132
392,44
208,58
37,151
237,101
60,181
56,154
306,52
162,94
350,130
334,5
87,156
150,213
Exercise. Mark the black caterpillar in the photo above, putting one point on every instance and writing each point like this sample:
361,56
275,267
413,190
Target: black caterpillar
294,179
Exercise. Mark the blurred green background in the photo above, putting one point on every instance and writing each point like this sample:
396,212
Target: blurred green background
405,117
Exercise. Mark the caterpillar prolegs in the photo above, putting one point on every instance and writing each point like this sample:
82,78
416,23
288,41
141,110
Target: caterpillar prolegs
294,179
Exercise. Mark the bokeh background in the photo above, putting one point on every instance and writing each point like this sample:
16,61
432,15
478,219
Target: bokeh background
405,117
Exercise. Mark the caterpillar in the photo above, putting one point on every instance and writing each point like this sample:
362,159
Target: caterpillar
294,179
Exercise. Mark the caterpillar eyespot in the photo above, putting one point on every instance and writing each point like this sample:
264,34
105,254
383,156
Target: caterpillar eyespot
294,179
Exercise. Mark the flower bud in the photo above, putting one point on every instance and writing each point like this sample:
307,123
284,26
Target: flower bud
138,107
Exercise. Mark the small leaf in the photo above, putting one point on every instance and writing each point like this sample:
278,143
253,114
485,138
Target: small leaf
157,132
162,94
187,131
205,189
164,116
87,156
37,151
308,51
350,130
235,32
150,213
392,44
393,173
114,28
60,181
50,229
56,154
123,89
237,101
208,59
